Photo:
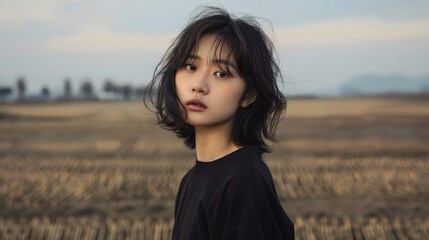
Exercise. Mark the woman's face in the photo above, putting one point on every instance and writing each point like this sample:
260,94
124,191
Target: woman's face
215,92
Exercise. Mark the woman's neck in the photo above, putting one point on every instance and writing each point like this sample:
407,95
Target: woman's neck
213,143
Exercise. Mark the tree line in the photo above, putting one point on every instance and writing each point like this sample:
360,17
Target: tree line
86,91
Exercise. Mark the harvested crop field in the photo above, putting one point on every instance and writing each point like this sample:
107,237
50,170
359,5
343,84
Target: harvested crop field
353,168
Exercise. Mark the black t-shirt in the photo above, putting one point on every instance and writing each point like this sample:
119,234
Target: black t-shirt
231,198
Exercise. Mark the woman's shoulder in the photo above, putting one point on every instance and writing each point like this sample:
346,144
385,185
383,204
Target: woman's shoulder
252,162
251,171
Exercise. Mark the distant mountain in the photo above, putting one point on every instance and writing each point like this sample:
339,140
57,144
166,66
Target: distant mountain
381,84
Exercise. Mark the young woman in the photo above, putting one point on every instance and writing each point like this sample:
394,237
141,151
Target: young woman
216,89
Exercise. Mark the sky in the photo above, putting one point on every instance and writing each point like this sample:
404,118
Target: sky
320,44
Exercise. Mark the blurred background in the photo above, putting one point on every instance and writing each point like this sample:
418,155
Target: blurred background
327,48
81,158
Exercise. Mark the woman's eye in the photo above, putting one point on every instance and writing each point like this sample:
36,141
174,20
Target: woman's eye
190,67
221,74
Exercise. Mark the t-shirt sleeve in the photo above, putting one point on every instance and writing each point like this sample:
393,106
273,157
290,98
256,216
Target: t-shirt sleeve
179,193
253,211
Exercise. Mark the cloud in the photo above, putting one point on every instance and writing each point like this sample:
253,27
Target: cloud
21,12
64,14
348,32
105,41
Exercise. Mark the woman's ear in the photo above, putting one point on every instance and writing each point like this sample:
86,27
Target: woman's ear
249,98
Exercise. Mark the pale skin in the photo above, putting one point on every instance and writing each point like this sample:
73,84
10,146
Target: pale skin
201,78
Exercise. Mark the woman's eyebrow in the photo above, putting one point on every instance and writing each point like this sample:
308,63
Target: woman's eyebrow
216,61
225,62
192,56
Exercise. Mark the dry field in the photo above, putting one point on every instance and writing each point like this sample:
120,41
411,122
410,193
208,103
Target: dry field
344,169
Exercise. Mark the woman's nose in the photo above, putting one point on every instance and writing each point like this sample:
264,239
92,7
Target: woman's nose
200,84
199,89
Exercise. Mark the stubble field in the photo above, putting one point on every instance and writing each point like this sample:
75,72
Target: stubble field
344,169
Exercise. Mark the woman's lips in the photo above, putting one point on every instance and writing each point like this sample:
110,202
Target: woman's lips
195,105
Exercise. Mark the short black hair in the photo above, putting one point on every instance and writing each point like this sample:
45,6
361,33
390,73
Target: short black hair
253,52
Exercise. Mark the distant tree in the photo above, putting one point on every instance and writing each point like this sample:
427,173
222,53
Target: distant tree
21,86
86,88
126,91
139,92
5,91
67,88
45,92
109,86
